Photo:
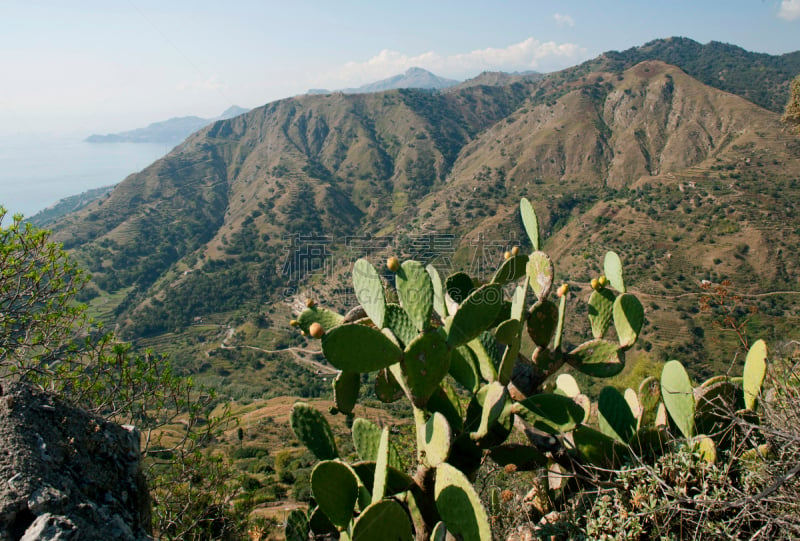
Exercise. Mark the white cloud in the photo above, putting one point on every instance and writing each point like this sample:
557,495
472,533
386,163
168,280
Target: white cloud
563,20
530,54
790,10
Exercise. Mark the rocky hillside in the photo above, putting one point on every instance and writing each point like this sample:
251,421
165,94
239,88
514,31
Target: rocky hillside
686,181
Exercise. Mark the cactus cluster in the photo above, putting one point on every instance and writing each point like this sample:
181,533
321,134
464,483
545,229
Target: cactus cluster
460,337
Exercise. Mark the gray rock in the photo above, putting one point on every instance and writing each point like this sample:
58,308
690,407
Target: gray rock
66,474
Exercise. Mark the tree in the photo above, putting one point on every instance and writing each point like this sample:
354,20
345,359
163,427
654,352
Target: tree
47,339
791,115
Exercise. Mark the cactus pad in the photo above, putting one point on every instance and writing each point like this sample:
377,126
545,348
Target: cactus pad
598,358
459,286
551,413
649,399
494,397
598,449
567,386
459,505
368,287
384,520
678,397
400,324
614,416
296,526
415,289
335,487
358,348
464,369
381,467
425,363
540,274
311,428
542,322
386,387
327,318
601,308
612,266
524,457
518,302
507,332
319,523
475,314
628,319
437,439
366,440
755,367
345,391
511,269
530,222
485,350
439,304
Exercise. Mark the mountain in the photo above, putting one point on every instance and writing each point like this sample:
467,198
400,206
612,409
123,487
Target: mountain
757,77
412,78
170,131
220,240
64,206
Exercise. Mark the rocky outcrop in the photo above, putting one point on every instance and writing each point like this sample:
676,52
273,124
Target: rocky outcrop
66,474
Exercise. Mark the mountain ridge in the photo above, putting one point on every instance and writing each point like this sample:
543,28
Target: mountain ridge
413,77
647,161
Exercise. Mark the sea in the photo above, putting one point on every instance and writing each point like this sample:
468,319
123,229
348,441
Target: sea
38,170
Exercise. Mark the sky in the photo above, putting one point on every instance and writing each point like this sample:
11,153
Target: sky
98,66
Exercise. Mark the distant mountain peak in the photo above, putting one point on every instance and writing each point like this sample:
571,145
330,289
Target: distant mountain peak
413,77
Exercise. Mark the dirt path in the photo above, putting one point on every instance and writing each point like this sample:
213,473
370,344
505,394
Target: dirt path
299,355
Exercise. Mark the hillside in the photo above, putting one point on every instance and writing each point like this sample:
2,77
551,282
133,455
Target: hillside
221,239
411,78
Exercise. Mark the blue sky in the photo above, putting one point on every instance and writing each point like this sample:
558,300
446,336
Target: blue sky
88,66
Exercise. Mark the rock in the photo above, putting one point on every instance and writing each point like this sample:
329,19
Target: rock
66,474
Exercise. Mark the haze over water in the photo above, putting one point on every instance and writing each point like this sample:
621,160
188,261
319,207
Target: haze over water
36,171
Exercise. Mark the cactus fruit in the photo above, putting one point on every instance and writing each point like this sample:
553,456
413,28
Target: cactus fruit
297,526
530,222
540,273
628,319
602,281
358,348
562,290
313,430
755,368
598,358
601,308
612,266
614,416
678,397
515,251
506,255
393,264
368,287
459,505
475,314
310,303
595,284
385,520
315,330
294,323
335,488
